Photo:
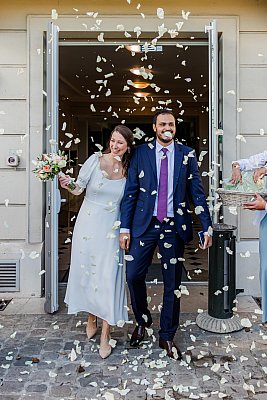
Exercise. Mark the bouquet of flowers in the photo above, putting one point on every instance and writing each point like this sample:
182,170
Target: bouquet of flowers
47,166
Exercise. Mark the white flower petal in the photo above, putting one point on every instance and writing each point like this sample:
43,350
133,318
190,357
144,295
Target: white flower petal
167,245
100,37
185,14
73,355
245,322
160,13
112,343
54,14
215,367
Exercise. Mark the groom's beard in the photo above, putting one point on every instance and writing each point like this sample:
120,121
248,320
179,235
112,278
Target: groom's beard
165,139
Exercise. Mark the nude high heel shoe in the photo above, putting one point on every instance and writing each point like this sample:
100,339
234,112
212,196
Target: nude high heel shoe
91,327
105,348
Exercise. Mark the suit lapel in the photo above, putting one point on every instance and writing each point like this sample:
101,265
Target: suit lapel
152,158
178,159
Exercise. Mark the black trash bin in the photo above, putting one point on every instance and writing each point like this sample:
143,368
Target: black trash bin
222,272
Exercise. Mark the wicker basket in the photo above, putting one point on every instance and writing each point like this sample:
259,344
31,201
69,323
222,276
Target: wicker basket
235,198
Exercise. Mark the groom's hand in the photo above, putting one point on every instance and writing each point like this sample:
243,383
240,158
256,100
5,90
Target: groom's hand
207,242
125,239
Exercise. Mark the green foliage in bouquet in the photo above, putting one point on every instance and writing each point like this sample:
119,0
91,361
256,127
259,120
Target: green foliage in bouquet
48,165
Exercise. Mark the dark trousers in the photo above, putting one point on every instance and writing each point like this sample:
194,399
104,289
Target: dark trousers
171,247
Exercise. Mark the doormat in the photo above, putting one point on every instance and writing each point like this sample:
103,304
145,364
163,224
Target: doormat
4,303
258,301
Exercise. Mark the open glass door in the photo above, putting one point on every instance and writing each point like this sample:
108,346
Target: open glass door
52,191
211,29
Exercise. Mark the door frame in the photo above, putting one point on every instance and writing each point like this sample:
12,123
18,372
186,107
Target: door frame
37,25
51,103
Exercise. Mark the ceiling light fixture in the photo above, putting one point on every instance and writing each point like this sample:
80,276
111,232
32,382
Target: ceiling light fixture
136,48
144,48
140,85
142,94
138,71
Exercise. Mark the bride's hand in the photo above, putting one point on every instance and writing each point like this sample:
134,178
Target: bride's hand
64,180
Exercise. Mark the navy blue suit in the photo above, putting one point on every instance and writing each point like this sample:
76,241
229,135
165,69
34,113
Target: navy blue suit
137,209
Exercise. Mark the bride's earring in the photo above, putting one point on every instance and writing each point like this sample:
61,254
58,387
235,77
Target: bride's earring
129,150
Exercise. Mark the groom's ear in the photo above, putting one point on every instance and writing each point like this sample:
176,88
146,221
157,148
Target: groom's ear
154,127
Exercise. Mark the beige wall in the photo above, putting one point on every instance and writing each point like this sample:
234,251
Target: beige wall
18,134
252,12
253,101
13,124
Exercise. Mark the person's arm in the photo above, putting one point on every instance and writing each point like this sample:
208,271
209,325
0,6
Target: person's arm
255,161
83,177
258,173
248,164
236,173
258,204
128,202
64,181
199,199
125,239
207,241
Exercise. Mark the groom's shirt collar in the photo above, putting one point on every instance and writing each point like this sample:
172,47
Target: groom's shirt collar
170,147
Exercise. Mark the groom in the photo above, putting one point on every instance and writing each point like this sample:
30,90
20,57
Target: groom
155,211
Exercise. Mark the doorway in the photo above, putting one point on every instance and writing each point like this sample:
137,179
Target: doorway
101,86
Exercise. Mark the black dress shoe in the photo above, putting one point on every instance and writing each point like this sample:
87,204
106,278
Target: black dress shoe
168,345
138,335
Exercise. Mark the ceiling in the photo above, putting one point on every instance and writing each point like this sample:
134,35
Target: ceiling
78,76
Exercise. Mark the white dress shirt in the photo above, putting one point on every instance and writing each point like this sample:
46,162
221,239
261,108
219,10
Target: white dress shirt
170,156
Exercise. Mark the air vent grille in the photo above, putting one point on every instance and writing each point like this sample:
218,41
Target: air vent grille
9,275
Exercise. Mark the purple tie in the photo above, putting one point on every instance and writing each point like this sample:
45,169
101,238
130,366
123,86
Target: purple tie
163,187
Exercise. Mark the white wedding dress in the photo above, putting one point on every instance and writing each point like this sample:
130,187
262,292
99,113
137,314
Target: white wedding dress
97,275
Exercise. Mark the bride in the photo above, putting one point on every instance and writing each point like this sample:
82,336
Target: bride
96,280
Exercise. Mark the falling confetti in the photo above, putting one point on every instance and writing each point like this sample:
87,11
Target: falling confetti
160,13
34,255
246,254
54,14
185,14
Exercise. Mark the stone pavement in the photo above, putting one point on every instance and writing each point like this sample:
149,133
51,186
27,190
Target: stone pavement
49,357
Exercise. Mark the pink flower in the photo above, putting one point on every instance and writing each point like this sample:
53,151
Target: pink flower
47,168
